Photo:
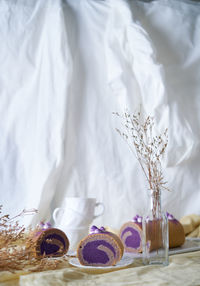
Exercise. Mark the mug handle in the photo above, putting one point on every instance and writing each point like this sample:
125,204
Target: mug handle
56,214
102,210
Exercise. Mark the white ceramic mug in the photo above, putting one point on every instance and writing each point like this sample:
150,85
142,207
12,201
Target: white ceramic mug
77,212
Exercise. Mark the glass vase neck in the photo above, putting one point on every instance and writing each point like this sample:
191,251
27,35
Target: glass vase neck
155,203
155,193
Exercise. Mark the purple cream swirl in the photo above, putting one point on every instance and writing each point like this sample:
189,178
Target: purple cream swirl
44,225
92,253
132,237
170,216
48,246
95,229
137,219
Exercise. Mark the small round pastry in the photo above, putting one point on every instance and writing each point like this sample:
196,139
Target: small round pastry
176,232
50,242
100,248
131,235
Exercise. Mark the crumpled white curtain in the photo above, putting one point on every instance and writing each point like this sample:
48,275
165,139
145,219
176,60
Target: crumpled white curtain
65,66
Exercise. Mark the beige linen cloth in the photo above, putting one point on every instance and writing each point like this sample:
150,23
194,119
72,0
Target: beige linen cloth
183,269
191,225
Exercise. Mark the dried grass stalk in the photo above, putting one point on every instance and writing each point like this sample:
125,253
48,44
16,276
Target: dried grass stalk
147,147
16,246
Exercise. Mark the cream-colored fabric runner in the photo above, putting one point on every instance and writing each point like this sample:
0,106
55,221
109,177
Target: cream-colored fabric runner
182,270
191,225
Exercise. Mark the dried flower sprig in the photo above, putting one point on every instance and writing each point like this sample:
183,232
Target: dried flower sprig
146,146
16,246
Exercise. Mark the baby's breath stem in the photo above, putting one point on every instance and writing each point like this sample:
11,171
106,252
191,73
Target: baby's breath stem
147,147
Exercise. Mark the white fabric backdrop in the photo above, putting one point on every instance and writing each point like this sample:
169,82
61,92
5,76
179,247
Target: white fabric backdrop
65,66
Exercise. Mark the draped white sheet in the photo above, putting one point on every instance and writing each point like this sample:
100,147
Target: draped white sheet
65,66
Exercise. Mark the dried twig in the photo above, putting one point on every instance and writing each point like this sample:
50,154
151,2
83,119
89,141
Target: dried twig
146,146
16,252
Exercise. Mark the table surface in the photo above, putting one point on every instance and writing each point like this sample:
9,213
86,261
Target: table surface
183,270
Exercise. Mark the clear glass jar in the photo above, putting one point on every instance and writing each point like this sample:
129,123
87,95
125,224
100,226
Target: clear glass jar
155,232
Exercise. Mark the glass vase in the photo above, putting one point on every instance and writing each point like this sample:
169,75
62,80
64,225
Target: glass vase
155,232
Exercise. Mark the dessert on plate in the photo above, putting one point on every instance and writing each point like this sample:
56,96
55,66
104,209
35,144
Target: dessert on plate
100,248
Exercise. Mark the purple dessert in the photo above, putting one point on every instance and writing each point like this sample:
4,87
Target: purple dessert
176,232
131,235
50,242
100,248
